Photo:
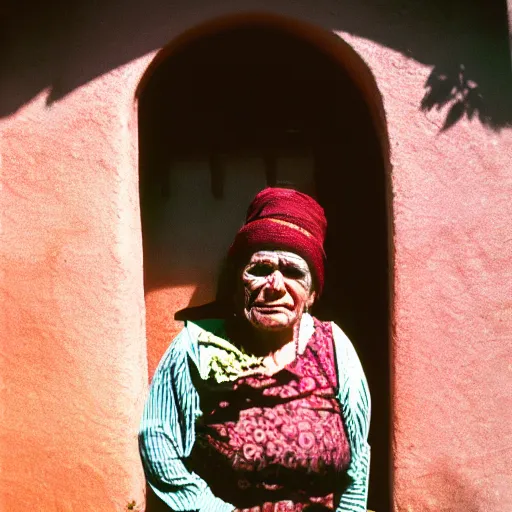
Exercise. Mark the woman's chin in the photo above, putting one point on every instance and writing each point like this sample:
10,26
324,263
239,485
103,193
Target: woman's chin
270,321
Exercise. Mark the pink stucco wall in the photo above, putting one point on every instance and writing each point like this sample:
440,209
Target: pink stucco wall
73,357
73,361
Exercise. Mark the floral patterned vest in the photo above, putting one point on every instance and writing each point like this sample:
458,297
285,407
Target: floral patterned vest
271,443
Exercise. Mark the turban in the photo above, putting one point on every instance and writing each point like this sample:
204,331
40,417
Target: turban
284,219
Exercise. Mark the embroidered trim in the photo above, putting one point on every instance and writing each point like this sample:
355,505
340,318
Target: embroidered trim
222,361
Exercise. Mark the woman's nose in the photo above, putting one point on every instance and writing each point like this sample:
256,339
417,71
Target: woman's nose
275,283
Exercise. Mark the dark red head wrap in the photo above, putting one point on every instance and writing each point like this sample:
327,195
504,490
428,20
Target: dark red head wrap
285,219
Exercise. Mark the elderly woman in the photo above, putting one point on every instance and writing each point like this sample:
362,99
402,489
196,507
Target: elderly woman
265,408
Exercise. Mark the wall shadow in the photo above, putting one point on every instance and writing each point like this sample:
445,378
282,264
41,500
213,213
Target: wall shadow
154,503
59,47
453,488
257,92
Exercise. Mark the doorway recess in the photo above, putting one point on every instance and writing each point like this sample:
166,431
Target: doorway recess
253,105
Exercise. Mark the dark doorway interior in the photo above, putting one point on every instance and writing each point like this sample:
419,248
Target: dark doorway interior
256,93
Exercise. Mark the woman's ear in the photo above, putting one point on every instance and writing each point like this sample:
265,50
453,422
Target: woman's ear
311,300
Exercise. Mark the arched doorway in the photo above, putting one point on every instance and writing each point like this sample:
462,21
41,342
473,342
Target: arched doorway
252,105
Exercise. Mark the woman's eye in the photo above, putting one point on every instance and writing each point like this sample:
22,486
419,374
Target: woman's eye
261,270
292,272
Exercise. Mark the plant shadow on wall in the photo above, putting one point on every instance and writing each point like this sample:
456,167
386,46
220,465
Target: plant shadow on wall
59,47
452,89
466,43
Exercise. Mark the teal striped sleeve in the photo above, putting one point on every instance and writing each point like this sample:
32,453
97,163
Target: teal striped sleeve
167,433
354,398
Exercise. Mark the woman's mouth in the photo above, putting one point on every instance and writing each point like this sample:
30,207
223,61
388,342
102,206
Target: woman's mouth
270,308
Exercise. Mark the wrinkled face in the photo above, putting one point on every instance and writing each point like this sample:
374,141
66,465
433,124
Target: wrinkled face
278,287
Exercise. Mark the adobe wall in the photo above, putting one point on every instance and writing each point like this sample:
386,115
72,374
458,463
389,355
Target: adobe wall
74,356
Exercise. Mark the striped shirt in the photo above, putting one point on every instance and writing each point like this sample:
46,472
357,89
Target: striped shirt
167,433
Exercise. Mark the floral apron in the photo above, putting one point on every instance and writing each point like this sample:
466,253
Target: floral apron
272,443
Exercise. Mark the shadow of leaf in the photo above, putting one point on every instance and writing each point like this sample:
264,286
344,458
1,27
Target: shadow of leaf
440,91
455,114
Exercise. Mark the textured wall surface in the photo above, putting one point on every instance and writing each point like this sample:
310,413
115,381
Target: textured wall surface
73,364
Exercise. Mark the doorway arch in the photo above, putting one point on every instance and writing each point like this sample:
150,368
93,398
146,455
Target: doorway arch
250,100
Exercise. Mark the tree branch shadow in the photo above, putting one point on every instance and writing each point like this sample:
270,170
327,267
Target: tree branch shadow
450,87
59,47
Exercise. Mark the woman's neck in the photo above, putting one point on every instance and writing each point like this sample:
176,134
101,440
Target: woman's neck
269,342
261,342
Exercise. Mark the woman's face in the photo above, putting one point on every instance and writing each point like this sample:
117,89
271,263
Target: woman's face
277,289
